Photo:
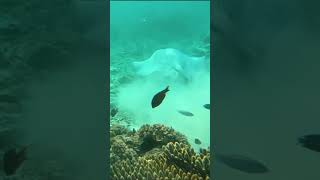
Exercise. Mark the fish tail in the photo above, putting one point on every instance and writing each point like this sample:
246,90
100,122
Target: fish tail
167,89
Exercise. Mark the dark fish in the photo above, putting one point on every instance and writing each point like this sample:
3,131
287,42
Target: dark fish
158,98
186,113
197,141
207,106
113,112
311,141
12,160
148,143
242,163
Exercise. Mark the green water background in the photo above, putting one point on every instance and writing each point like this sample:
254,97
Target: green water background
150,25
266,100
137,30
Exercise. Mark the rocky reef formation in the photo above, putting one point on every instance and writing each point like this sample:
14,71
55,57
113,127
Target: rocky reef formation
155,152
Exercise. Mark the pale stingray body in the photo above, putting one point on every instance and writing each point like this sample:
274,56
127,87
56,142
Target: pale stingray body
170,63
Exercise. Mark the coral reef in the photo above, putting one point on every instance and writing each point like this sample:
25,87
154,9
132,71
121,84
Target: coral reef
183,156
117,130
122,118
150,169
158,135
156,152
120,150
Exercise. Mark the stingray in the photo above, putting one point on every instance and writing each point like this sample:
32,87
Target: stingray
170,63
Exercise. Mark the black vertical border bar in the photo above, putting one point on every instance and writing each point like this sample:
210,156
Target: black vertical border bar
211,90
108,165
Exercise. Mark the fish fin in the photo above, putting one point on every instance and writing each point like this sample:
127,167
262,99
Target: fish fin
167,89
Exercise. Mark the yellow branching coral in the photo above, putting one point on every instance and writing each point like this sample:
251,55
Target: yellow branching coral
156,168
158,135
183,156
120,150
139,156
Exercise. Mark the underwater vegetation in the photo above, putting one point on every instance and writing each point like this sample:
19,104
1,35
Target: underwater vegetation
155,152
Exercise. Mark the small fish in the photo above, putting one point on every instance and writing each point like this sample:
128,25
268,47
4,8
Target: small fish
159,97
113,112
186,113
311,141
197,141
242,163
207,106
12,160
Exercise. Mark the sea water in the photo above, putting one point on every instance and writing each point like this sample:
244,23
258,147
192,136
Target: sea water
137,30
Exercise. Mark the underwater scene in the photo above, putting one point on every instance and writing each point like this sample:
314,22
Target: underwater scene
160,89
266,95
52,74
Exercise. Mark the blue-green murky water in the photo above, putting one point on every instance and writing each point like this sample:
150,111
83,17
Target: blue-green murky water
137,31
266,85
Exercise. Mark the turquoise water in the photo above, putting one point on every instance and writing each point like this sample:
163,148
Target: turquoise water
170,40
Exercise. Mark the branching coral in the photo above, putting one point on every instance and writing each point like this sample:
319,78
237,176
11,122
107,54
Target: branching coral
175,160
120,150
118,130
158,135
156,168
184,157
